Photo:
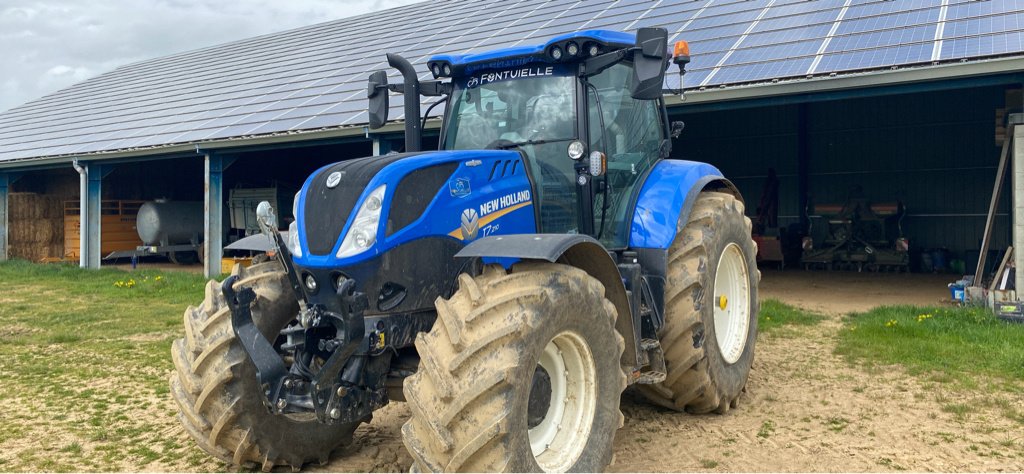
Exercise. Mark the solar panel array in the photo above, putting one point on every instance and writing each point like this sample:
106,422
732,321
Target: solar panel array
314,78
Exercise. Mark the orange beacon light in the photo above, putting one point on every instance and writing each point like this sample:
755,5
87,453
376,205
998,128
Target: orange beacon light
681,53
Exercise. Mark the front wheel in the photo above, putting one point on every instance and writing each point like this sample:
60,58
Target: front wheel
215,386
519,373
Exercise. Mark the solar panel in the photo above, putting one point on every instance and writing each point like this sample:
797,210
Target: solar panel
315,77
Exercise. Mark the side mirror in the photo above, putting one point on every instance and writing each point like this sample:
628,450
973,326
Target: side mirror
377,92
653,42
649,62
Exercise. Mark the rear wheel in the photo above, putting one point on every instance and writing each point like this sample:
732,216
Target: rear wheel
215,386
519,373
710,309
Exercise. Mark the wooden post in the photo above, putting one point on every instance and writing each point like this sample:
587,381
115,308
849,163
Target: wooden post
997,189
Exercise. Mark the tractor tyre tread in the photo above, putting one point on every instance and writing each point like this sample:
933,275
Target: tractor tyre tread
695,383
214,383
463,398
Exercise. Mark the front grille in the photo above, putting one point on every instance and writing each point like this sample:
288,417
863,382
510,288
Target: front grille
414,192
326,210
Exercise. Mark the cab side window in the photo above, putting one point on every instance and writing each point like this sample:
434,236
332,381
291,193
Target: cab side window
630,133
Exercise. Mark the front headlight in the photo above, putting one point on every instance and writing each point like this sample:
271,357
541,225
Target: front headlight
293,240
293,229
363,233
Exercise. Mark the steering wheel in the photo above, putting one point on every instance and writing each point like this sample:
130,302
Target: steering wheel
498,144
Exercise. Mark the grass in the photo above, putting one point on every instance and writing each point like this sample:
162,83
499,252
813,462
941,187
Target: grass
782,319
888,462
945,344
84,358
836,423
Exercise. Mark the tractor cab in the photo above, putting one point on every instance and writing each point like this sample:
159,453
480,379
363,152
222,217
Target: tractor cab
583,109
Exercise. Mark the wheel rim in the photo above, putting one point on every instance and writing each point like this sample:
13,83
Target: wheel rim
732,303
559,439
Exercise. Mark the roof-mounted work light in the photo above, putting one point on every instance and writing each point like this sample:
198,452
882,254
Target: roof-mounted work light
572,48
556,53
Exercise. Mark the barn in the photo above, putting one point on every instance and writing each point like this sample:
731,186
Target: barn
807,106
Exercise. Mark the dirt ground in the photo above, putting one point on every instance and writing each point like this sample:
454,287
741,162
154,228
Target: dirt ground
805,408
836,293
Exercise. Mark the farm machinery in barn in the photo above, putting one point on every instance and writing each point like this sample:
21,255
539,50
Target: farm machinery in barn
858,234
508,287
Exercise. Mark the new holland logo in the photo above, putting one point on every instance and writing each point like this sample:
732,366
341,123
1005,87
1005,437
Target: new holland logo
470,224
333,179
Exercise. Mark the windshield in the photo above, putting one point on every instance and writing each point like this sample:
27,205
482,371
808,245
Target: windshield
498,109
531,109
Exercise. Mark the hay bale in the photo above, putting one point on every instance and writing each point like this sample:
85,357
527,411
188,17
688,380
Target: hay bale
32,231
18,231
30,252
34,206
55,208
55,250
57,223
26,206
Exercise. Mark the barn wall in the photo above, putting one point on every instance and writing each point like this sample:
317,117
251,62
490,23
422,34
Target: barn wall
934,151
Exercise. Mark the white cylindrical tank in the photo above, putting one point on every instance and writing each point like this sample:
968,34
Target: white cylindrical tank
170,222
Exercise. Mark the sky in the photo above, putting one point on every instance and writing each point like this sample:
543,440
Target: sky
47,45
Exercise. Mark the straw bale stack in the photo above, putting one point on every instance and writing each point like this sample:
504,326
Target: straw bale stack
36,226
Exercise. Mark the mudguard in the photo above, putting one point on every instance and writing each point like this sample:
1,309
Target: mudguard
666,199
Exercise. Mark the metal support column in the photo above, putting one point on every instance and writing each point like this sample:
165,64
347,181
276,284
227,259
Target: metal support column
803,158
381,146
5,183
91,215
1018,207
213,207
213,221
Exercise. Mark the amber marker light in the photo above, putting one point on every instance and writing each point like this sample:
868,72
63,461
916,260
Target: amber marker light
681,53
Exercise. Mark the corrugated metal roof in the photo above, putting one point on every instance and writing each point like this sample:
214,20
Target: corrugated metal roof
314,78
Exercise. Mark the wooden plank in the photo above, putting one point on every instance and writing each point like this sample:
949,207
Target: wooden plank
118,230
1001,269
997,188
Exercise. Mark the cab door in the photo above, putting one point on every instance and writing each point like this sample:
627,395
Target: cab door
630,133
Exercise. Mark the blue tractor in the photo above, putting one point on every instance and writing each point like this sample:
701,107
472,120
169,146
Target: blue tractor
508,287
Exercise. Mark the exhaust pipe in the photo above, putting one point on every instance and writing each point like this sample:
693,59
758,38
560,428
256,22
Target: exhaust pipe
411,91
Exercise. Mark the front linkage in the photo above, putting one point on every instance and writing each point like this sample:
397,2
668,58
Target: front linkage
337,392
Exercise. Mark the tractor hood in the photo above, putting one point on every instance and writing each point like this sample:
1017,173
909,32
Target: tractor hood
357,209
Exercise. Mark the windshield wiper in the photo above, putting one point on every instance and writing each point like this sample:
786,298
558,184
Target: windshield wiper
506,146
